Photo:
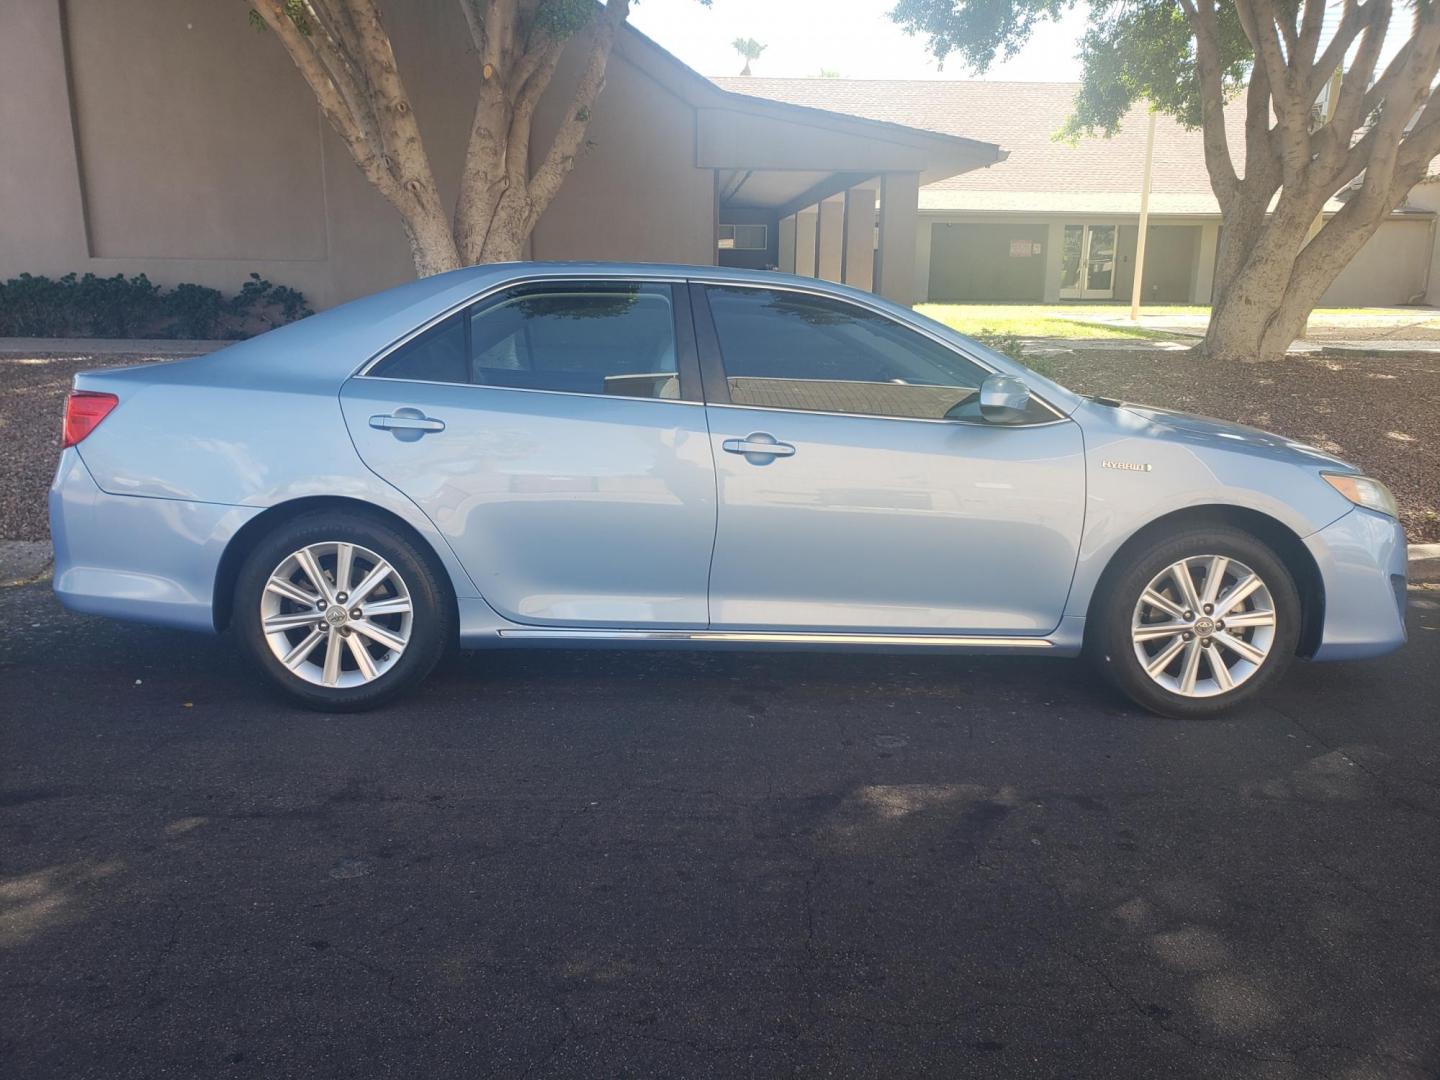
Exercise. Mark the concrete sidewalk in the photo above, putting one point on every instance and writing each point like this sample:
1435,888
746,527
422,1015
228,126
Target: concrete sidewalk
26,348
1345,347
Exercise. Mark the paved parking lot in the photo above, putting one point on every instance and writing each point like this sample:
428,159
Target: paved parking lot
665,864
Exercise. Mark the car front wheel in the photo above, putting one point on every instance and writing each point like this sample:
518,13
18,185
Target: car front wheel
1197,622
341,611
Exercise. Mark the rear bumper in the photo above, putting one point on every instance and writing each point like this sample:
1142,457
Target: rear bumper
132,557
1362,564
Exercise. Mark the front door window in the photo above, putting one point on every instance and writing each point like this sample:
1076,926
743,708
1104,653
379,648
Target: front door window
1087,267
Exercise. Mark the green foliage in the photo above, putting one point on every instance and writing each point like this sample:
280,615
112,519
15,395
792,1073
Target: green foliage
1133,50
749,48
299,12
121,307
1001,341
561,18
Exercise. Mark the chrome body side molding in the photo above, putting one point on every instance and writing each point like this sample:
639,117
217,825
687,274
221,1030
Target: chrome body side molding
766,637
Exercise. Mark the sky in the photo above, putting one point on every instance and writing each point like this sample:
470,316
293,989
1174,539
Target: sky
852,37
856,39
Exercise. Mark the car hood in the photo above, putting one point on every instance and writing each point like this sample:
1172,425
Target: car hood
1222,433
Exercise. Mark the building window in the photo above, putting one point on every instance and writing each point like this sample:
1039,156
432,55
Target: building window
744,237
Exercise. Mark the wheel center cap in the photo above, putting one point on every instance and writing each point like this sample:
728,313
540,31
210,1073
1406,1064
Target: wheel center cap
1204,626
336,615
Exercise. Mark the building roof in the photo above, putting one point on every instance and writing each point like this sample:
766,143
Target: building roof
1095,175
947,152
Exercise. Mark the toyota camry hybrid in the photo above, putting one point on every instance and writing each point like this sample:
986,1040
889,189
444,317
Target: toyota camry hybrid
605,455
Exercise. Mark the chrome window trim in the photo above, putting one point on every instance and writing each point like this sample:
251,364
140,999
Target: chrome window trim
953,422
530,390
362,371
876,310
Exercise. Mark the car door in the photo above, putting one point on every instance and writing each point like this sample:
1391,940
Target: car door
553,432
859,488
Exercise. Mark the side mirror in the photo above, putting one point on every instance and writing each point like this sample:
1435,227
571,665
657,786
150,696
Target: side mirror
1003,399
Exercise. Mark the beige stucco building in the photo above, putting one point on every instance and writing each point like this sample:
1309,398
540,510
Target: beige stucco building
1058,221
168,137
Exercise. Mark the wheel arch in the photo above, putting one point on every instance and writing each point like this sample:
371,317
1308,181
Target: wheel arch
262,524
1278,536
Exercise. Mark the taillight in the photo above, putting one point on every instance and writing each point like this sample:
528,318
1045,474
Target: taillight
84,409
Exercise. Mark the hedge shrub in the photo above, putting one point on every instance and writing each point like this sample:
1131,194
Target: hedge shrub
121,307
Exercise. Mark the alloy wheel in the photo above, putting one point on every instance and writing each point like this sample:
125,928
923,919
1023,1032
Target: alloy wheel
1203,626
336,614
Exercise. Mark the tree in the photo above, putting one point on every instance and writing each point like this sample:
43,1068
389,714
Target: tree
750,49
1368,144
343,52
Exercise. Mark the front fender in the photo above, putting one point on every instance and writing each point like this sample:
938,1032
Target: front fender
1138,473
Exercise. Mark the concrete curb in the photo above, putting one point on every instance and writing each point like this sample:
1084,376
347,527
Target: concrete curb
24,561
1424,560
26,348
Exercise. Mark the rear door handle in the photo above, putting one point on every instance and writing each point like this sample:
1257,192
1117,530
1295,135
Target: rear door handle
407,424
758,444
406,419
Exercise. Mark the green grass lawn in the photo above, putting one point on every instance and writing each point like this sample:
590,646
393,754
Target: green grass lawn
1090,320
1048,320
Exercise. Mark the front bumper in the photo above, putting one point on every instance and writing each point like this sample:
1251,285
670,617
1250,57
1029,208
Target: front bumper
1362,565
133,557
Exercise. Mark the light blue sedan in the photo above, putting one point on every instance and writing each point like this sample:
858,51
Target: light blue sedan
551,454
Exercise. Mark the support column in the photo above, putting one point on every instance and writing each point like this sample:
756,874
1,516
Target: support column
1054,260
859,264
806,222
899,209
831,249
923,228
786,256
1202,281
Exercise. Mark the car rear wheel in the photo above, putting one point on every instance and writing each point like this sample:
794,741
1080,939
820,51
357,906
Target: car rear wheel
1197,622
341,611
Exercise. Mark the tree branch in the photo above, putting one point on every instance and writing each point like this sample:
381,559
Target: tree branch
1214,138
566,145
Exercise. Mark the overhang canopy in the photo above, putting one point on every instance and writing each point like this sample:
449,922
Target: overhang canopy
771,154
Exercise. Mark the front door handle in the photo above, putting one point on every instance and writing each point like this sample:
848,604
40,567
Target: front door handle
406,424
759,447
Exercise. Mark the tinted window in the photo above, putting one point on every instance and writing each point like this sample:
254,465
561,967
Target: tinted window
438,355
601,338
795,351
588,339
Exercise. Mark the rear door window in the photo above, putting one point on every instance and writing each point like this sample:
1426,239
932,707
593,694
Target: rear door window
606,338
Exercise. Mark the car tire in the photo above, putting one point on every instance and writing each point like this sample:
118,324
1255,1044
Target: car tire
1165,648
327,647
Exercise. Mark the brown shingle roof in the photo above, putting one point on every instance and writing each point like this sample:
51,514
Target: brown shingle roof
1096,175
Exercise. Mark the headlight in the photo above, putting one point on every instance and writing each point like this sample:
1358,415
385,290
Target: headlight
1363,491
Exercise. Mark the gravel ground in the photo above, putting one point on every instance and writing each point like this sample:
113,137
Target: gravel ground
1382,413
1379,412
32,394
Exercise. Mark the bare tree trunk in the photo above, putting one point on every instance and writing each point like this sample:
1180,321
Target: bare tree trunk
1271,272
344,53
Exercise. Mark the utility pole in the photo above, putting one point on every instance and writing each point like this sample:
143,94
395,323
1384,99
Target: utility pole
1144,220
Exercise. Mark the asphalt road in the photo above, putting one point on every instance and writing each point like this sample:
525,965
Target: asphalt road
727,865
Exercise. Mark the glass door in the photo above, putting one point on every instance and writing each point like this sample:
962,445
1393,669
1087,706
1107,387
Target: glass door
1087,262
